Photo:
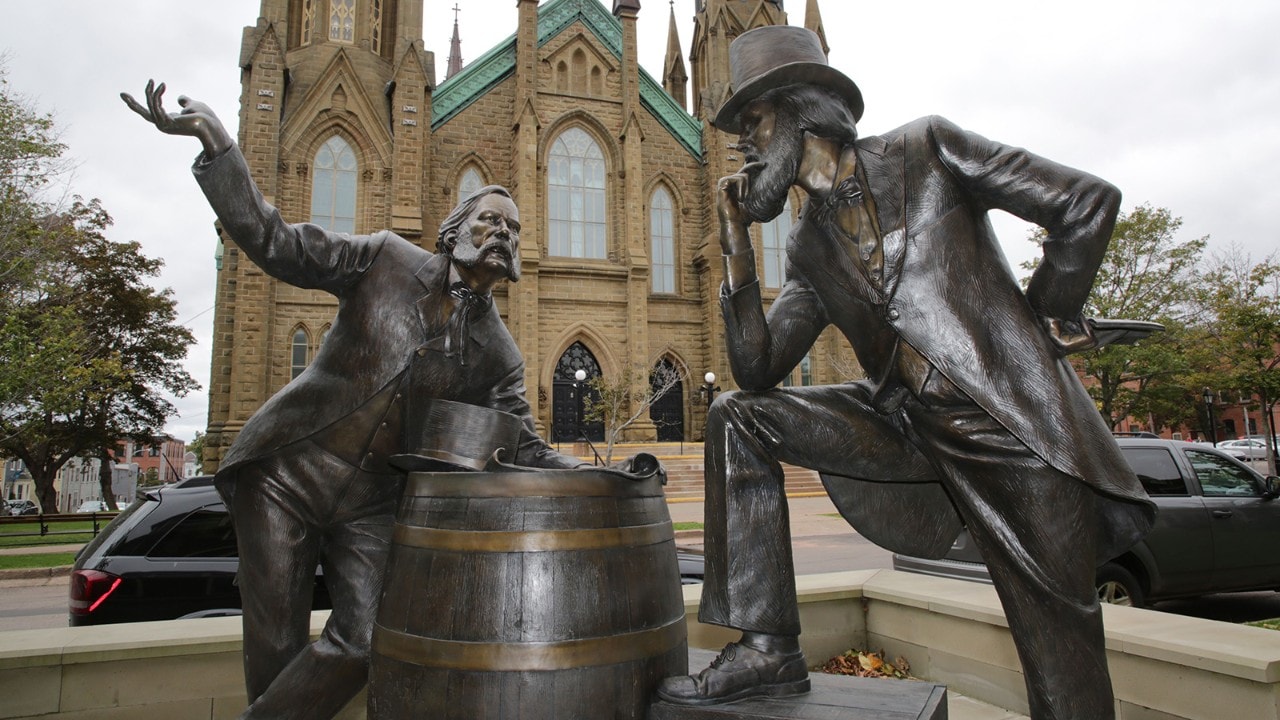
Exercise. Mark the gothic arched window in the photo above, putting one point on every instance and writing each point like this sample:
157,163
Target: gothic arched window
298,353
308,22
662,242
470,182
773,236
333,187
576,197
342,21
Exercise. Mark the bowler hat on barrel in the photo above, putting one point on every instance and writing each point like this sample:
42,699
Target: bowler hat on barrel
775,56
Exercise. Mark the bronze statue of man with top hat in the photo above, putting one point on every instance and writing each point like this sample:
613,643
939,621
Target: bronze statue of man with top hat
970,413
312,476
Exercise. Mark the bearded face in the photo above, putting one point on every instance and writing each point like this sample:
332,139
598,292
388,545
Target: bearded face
486,249
774,143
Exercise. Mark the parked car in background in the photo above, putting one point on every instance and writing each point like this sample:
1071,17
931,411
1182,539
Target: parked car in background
22,507
1244,448
172,554
93,506
1217,530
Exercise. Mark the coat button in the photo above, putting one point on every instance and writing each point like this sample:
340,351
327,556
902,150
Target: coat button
893,313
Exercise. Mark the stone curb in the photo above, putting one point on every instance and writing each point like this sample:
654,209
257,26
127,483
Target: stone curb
33,576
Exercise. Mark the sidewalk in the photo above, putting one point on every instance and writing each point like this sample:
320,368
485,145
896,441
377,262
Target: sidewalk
37,549
810,515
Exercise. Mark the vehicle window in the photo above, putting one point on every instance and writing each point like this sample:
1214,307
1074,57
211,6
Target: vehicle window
1157,471
203,533
1219,476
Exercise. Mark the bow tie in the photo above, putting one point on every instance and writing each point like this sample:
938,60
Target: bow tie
469,302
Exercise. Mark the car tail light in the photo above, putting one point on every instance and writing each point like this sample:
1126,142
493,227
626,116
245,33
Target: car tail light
89,588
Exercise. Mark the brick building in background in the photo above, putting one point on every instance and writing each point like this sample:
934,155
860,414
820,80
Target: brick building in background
343,123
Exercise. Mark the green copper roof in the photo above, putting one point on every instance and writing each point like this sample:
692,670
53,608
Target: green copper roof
481,75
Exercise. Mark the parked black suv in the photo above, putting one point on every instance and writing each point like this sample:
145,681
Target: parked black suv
1217,530
170,554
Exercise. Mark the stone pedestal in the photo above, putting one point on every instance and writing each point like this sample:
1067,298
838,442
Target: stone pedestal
833,697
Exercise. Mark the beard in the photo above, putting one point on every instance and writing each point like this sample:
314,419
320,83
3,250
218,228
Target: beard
468,256
767,194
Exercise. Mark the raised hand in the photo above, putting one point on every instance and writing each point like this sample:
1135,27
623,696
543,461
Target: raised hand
196,119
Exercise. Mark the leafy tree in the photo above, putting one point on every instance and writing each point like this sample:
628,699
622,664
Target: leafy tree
87,346
619,402
196,447
30,158
1242,330
1148,273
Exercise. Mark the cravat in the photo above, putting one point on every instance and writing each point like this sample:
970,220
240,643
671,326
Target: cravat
469,302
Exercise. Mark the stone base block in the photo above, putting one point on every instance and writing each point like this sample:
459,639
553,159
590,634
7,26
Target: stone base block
832,696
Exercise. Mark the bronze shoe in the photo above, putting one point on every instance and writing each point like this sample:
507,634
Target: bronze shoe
739,672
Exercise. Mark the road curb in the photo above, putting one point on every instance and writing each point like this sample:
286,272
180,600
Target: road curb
20,577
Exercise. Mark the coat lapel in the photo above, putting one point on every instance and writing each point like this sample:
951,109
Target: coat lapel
432,275
884,165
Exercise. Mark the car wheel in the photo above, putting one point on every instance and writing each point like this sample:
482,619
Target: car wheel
1118,586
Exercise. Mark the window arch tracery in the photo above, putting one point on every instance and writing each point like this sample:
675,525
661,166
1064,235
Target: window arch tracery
333,186
576,196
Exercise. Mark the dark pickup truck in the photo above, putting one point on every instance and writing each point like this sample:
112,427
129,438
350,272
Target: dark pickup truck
1217,530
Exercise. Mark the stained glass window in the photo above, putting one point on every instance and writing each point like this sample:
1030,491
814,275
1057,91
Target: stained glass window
298,353
576,198
308,20
375,24
342,21
773,235
333,187
470,182
662,242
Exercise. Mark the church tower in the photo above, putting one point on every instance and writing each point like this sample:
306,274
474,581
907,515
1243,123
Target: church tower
335,115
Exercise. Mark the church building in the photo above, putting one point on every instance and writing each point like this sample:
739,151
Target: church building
344,123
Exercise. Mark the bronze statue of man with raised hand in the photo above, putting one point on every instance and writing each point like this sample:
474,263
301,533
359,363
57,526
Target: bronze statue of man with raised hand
309,478
970,412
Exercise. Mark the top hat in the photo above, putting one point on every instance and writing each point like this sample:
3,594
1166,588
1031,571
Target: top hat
775,56
443,435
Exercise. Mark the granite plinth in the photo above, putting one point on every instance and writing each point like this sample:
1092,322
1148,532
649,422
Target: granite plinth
833,697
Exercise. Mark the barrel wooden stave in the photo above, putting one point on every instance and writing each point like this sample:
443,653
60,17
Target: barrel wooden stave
526,599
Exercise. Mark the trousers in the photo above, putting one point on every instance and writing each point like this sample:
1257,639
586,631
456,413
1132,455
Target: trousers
296,509
1035,526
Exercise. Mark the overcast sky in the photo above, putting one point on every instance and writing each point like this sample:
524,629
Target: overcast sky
1174,101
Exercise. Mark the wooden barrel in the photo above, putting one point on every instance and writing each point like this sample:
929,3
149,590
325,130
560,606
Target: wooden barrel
528,595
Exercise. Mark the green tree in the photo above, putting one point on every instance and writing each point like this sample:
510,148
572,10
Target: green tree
87,346
1242,331
196,446
1148,273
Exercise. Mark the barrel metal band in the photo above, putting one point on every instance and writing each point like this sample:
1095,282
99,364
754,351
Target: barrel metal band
533,484
500,541
527,656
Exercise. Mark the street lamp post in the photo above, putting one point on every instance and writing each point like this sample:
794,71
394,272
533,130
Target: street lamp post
1207,396
709,387
579,376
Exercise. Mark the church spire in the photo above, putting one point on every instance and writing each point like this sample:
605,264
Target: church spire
455,48
674,76
813,21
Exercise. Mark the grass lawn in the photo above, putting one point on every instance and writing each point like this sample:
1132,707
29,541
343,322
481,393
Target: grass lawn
1272,624
10,534
688,525
36,560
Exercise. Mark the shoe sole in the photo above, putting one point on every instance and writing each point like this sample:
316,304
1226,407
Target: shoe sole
776,690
